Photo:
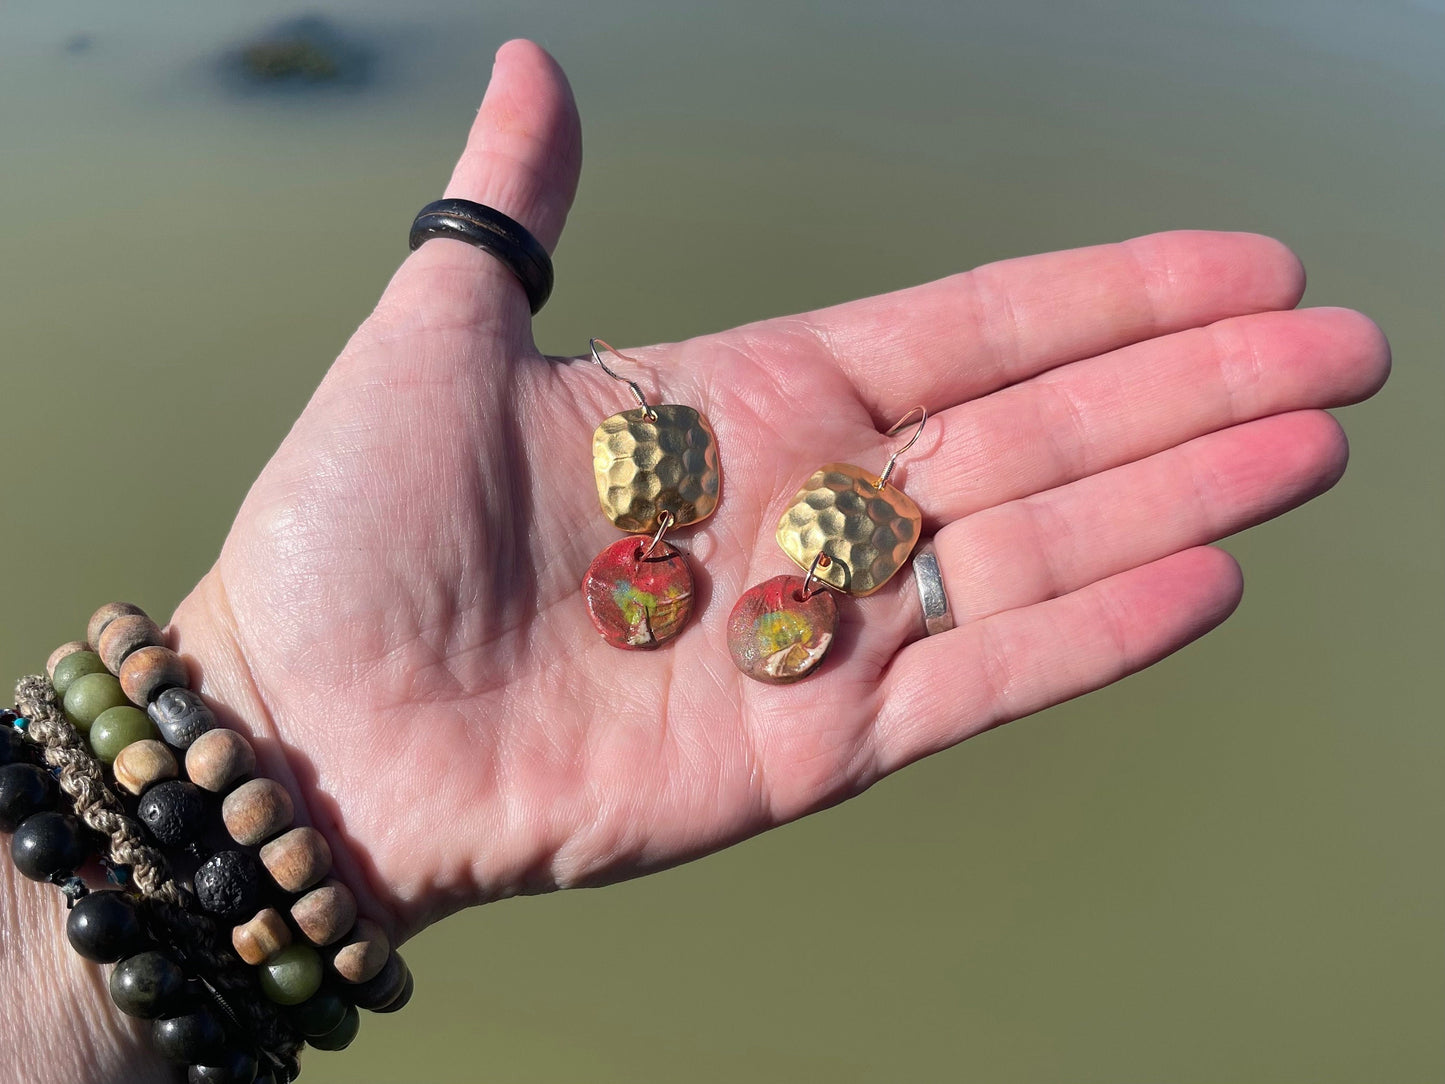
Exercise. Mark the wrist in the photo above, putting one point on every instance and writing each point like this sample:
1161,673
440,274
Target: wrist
61,1026
203,631
142,669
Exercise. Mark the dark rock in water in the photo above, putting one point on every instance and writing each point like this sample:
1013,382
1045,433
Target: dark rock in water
78,43
305,52
284,59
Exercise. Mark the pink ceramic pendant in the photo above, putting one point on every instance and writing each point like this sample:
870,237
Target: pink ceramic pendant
777,634
638,602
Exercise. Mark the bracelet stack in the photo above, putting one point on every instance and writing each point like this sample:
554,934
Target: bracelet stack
225,928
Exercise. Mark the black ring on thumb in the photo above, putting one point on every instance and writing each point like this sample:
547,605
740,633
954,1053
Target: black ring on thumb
490,230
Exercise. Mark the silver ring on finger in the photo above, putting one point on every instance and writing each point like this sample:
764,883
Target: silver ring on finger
937,617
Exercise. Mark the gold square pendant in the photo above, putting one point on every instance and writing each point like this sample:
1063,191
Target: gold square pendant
654,460
867,532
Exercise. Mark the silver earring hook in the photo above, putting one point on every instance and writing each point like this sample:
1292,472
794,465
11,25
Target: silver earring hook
631,384
918,432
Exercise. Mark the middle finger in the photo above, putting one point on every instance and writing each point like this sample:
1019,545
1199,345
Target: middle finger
1131,403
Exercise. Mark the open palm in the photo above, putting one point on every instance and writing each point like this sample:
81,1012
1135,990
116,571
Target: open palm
396,613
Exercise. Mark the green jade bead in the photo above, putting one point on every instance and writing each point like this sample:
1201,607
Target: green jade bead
292,975
90,695
115,728
75,665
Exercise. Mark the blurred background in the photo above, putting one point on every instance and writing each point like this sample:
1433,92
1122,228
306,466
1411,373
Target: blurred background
1224,869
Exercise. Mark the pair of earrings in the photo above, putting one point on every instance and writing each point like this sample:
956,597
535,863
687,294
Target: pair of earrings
657,469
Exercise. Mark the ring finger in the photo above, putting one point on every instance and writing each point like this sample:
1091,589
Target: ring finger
1040,547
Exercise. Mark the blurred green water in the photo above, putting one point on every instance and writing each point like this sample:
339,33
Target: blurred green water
1224,869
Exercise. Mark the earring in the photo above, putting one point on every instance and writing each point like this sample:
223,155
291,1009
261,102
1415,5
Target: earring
657,469
851,532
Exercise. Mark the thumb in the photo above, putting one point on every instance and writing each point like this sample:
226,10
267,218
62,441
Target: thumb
523,158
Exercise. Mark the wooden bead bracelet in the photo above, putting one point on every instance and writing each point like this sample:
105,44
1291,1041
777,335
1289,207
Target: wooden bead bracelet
256,811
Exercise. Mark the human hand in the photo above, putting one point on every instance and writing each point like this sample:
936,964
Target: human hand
396,613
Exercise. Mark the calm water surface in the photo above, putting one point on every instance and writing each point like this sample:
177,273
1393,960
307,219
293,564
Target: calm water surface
1225,869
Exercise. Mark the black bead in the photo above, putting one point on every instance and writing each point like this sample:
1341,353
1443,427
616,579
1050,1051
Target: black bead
148,985
339,1037
228,885
182,716
47,844
12,745
195,1037
382,989
104,927
174,811
24,789
400,1002
232,1067
319,1013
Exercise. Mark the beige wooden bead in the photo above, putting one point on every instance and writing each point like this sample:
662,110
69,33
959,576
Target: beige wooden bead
103,617
363,952
297,860
148,670
261,938
124,635
144,762
218,758
256,811
60,653
325,913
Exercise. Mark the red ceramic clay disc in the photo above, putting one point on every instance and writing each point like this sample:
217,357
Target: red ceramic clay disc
776,635
638,602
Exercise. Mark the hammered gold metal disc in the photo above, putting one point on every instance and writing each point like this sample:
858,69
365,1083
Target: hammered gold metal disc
654,460
868,532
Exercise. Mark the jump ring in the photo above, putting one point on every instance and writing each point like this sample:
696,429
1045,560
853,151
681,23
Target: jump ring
664,522
820,561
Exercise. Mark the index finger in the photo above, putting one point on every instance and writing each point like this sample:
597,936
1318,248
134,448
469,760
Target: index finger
958,338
